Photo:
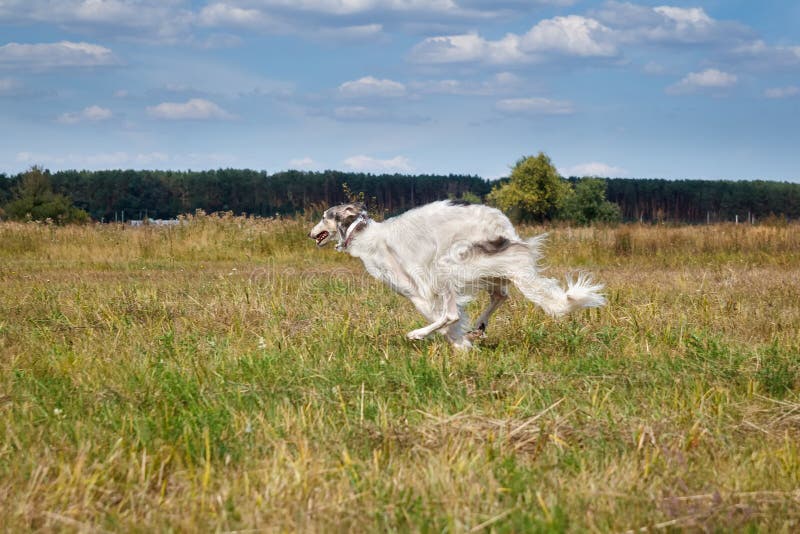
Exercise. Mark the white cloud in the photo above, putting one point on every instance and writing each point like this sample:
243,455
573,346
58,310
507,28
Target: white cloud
345,8
363,163
101,11
91,114
370,86
476,9
193,109
692,16
469,47
625,15
221,14
574,36
666,24
707,79
54,55
504,79
782,92
373,114
710,78
356,113
162,20
349,33
351,19
512,4
502,82
303,163
445,87
185,21
752,48
762,55
180,21
571,36
534,106
594,168
285,18
600,34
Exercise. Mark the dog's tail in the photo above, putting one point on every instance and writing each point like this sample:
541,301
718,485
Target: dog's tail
536,245
581,292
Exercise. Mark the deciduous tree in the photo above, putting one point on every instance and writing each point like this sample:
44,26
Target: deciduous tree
534,192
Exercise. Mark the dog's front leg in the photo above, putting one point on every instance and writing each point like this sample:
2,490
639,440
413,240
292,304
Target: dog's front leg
449,316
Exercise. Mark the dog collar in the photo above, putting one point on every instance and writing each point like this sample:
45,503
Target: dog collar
360,222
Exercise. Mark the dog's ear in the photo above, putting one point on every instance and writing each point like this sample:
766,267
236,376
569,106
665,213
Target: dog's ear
350,212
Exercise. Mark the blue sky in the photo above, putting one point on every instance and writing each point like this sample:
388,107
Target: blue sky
670,89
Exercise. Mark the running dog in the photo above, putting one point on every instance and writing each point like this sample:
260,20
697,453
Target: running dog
441,254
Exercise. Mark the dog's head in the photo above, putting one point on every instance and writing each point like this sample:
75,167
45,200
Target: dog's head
336,220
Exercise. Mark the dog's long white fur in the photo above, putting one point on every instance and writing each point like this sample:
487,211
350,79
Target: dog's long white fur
439,255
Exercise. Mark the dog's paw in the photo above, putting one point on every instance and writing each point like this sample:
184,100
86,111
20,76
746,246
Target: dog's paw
417,334
462,344
474,335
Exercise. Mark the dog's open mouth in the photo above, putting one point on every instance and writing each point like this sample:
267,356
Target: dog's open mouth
320,237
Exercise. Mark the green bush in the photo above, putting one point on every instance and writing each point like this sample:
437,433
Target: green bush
587,204
35,200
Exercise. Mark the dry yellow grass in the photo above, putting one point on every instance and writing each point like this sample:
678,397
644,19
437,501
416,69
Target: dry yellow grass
226,375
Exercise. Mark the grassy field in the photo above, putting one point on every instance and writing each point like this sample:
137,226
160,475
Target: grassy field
226,375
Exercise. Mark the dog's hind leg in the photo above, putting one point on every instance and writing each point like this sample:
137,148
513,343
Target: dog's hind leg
450,316
498,294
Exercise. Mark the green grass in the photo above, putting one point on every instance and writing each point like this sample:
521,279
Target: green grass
226,375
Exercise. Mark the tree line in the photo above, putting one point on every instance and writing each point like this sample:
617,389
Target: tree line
698,201
165,194
105,195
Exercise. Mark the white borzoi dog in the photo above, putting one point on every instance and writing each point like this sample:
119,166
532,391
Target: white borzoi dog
439,255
